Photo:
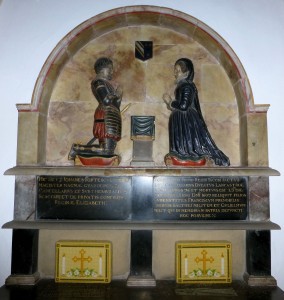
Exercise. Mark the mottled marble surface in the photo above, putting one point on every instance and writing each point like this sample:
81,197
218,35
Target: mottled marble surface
72,105
226,98
259,199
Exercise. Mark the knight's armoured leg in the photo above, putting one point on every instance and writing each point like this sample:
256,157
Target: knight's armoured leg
109,145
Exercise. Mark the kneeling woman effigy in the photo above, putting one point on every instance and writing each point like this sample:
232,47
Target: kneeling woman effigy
190,141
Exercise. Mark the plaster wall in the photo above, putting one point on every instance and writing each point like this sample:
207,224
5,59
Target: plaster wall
163,249
120,246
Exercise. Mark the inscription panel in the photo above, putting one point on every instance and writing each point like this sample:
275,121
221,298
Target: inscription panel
156,198
87,198
200,198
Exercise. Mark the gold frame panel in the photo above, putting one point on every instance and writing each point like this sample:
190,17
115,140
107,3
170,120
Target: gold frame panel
203,262
83,261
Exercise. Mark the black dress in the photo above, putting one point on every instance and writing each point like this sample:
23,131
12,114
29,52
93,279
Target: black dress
188,133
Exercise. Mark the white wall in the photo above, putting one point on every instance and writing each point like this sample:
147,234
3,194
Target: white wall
30,29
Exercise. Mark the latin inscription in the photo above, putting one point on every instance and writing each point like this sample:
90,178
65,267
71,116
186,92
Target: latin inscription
200,198
78,197
167,198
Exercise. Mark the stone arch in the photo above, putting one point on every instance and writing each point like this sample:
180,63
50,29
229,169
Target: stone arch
134,16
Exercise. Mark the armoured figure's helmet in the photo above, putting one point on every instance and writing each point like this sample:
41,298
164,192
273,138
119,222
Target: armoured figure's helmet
101,63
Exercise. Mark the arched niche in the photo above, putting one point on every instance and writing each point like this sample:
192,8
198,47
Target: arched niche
62,104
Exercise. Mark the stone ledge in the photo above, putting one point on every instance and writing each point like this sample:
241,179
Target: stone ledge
24,279
141,225
142,171
252,280
141,281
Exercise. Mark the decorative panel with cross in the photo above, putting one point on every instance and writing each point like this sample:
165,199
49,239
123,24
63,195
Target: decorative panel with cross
203,262
83,261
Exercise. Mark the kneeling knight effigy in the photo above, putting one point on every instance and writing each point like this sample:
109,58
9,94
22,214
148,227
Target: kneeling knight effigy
107,121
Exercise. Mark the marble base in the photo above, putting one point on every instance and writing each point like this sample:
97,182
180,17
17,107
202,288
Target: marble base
252,280
22,279
143,280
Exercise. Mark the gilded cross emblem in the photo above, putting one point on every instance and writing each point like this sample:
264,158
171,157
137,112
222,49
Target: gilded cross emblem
204,259
82,259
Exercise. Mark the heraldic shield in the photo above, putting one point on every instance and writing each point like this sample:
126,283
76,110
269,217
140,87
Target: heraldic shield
143,50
